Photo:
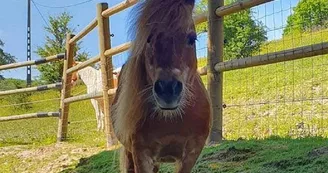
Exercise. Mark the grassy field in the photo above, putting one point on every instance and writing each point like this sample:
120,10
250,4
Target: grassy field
288,99
82,122
284,99
253,156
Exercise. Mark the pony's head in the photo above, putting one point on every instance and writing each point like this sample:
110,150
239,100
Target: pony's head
170,62
165,43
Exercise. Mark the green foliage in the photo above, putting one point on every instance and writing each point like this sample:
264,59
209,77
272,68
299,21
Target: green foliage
242,35
9,84
55,44
308,15
5,58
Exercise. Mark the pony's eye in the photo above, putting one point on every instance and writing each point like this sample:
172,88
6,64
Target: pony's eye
149,38
192,37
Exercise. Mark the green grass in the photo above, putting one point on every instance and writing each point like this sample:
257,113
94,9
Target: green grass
82,127
277,99
270,155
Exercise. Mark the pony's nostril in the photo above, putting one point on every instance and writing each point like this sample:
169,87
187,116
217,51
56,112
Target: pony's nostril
168,88
159,87
177,87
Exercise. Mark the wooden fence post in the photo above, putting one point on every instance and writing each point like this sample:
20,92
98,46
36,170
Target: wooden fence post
66,90
106,69
215,79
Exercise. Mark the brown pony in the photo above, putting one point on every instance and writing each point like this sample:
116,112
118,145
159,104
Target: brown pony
161,111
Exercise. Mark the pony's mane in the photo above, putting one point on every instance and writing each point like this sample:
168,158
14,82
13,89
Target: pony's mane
156,16
148,17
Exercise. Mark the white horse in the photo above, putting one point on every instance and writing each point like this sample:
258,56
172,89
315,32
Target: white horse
91,77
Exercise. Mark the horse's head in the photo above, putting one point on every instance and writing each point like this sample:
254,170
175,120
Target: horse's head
170,63
170,53
75,75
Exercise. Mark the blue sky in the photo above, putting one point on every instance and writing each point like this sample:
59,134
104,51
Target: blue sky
13,15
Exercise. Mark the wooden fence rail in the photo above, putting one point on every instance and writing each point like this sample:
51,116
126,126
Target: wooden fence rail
118,8
93,24
83,64
31,89
238,6
88,96
270,58
29,116
110,52
35,62
118,49
275,57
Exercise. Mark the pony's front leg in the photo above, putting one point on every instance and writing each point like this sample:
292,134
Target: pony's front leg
126,161
191,153
143,163
102,120
97,112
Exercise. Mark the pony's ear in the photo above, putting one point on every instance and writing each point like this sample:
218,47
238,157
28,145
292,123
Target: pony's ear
191,2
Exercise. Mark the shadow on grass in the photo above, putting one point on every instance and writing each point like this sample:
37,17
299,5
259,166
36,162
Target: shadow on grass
106,161
270,155
14,143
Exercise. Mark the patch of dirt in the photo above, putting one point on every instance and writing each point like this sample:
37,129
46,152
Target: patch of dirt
51,159
232,154
4,151
318,152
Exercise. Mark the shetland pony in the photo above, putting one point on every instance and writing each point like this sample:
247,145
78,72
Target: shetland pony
91,77
161,109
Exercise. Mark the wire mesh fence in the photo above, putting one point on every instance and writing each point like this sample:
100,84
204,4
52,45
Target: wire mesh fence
287,99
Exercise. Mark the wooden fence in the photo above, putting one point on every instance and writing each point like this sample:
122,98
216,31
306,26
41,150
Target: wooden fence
57,57
214,69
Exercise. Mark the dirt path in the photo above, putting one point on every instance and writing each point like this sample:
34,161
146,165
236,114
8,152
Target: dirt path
47,159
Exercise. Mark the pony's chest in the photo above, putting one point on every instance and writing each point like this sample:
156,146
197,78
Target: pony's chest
183,127
170,152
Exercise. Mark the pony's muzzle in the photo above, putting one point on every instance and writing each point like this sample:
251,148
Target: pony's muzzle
168,93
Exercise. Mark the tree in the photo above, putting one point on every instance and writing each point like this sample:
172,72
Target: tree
55,44
5,58
308,15
242,34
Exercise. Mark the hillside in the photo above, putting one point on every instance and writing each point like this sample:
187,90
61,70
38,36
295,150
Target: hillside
287,99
